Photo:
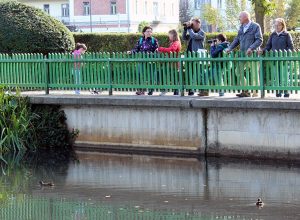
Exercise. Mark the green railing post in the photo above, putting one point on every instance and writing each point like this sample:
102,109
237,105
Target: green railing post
181,76
110,91
46,76
261,76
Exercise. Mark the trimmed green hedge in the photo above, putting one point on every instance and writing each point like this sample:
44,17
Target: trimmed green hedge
24,29
123,42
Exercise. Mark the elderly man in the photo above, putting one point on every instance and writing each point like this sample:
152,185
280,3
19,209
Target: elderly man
249,39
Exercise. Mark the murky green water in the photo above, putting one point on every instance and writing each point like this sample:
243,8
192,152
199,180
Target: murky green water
119,187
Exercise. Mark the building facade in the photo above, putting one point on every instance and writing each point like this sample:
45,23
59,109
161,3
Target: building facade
112,15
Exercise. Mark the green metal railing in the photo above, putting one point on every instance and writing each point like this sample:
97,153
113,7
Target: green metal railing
122,72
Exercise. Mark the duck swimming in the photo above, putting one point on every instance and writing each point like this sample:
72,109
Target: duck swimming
46,184
259,203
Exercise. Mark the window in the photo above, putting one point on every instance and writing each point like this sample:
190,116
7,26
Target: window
65,11
219,3
146,7
113,8
199,3
47,8
172,9
86,8
155,8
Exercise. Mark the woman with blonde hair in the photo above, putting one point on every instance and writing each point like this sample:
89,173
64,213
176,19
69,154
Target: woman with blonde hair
280,39
174,47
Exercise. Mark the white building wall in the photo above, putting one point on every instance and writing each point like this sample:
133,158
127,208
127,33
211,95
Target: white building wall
54,5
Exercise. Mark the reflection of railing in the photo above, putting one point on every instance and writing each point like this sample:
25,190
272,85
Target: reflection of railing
24,207
233,72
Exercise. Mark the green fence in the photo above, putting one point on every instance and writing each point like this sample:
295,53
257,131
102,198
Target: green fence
122,72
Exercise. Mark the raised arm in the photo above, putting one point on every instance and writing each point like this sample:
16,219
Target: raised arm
185,36
197,36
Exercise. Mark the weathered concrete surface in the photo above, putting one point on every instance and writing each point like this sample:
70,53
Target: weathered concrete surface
251,127
257,133
139,126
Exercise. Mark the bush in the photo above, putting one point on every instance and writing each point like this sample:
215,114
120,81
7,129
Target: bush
123,42
24,29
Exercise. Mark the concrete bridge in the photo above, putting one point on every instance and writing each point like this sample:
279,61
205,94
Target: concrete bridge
183,126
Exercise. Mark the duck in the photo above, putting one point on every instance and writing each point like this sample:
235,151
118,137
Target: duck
46,183
259,203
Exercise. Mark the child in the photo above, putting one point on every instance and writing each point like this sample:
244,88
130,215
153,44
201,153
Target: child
80,49
175,47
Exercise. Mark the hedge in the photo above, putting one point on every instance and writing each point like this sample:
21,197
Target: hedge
25,29
111,42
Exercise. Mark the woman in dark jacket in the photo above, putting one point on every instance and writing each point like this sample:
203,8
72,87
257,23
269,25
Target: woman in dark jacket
280,39
146,44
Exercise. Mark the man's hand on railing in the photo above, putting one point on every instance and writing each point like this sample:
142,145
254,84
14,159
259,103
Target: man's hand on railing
249,51
260,52
227,50
129,52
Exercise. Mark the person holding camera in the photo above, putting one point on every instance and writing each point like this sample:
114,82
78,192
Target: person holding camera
195,37
217,47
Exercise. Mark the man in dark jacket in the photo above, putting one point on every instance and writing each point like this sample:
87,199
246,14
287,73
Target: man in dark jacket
195,37
249,39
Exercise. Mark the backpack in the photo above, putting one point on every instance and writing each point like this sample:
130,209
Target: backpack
152,41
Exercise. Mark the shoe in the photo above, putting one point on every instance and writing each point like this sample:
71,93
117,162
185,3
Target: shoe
150,93
254,94
278,95
191,93
286,95
221,94
140,93
162,93
94,92
243,94
203,93
77,92
176,92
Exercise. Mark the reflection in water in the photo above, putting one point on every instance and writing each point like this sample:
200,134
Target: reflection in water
144,187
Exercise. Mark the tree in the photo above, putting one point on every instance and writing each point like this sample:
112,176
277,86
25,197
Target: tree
142,25
232,11
24,29
261,9
279,12
293,14
213,17
186,11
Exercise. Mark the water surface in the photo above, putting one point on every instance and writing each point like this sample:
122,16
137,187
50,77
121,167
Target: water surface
108,186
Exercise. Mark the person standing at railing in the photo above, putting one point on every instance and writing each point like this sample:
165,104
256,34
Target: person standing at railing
279,40
146,44
175,47
249,39
80,49
195,37
216,50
